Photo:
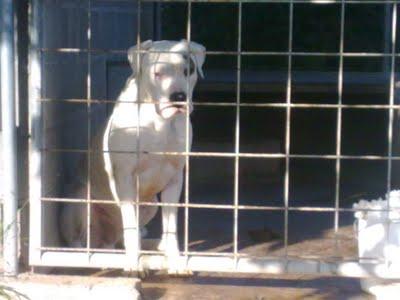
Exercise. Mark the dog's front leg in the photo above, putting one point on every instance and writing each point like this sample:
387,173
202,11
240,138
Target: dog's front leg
169,240
131,235
126,190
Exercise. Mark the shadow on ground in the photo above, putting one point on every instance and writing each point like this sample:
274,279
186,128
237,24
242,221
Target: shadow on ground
258,288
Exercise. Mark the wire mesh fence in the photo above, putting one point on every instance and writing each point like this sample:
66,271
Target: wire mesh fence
319,57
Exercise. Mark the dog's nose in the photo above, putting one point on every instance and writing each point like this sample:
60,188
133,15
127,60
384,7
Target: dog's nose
178,97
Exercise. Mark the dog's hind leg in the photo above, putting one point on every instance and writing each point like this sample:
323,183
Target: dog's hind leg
169,240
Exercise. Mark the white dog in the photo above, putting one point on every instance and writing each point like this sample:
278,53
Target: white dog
155,100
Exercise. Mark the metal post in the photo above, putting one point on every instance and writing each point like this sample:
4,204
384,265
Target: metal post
10,251
35,132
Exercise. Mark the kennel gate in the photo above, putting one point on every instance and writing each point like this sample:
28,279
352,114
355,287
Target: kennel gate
43,206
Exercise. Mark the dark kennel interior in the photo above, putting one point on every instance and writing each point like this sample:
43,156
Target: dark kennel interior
264,65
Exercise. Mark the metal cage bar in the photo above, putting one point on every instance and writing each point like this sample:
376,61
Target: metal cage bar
187,146
138,149
89,138
392,96
391,112
9,139
230,53
222,263
237,140
287,131
230,104
339,127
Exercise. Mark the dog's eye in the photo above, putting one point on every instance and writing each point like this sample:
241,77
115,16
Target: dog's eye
158,75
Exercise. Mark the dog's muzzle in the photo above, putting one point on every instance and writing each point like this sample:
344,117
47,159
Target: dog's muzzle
176,104
178,100
178,97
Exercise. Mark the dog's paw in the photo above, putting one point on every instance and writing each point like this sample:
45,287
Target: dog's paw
174,264
168,243
143,274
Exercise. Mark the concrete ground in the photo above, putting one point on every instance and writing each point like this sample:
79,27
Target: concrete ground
46,287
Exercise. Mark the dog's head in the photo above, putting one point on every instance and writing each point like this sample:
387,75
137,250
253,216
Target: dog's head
166,72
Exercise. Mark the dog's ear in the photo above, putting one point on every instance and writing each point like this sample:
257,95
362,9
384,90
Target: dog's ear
133,56
199,53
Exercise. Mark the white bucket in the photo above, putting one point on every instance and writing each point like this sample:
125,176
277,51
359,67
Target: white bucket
378,234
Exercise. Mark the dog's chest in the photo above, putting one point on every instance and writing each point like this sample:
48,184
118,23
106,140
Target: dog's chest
161,157
155,173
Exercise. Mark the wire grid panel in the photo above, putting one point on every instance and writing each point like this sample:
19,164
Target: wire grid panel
229,261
